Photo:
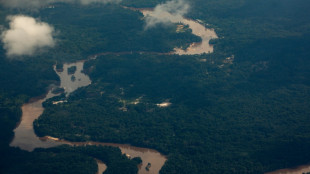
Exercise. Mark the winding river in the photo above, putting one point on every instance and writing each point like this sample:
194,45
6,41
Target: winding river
26,139
197,28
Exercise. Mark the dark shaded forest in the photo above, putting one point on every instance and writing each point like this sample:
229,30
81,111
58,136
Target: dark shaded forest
25,77
246,114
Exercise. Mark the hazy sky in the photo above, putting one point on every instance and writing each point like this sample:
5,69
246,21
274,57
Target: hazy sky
39,3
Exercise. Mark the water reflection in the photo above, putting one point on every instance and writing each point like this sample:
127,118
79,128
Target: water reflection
26,139
67,83
156,159
198,29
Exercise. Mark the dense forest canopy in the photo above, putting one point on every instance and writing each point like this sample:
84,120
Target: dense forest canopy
242,109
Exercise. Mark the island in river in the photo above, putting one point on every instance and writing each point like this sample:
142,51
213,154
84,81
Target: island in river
26,139
248,113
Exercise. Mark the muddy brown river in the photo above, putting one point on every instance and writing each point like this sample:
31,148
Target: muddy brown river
26,139
197,28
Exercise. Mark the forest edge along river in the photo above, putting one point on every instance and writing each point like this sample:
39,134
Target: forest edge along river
26,139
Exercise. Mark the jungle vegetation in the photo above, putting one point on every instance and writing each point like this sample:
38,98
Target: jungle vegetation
248,114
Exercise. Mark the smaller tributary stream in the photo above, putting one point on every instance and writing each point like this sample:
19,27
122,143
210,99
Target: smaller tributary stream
26,139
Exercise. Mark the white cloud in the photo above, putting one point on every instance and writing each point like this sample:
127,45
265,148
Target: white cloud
26,36
40,3
171,11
